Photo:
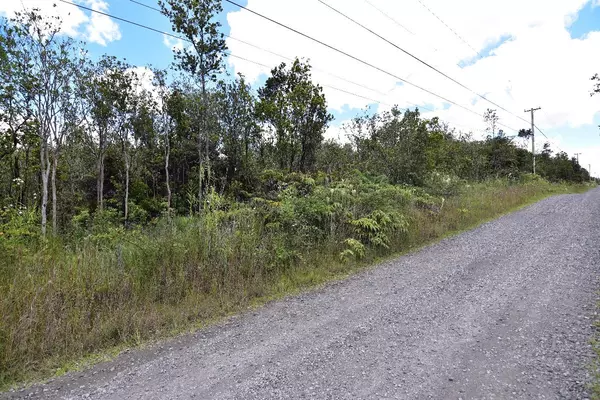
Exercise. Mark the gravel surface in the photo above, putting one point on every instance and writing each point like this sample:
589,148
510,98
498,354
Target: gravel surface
502,311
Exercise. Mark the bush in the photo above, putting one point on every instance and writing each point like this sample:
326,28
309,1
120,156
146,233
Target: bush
441,184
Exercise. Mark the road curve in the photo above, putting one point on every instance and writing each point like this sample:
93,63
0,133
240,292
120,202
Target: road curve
502,311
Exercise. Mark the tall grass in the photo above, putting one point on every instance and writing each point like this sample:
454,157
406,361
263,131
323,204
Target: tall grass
64,299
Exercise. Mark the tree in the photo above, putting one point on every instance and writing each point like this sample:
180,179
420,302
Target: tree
297,110
525,133
113,102
491,119
596,88
137,129
194,19
171,117
51,68
16,119
240,132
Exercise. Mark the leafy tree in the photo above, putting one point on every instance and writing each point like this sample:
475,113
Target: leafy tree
16,119
240,131
50,67
395,145
297,110
195,20
112,101
491,119
171,118
596,88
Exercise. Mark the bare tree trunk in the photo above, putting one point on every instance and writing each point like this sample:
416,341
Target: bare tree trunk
16,172
207,157
202,132
200,170
25,189
127,167
167,177
100,184
45,170
54,196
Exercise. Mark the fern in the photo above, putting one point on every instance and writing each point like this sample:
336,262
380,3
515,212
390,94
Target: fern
355,250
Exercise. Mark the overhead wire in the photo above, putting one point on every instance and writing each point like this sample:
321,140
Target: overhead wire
316,69
275,54
331,47
417,58
323,85
226,53
389,17
547,138
232,55
451,30
474,50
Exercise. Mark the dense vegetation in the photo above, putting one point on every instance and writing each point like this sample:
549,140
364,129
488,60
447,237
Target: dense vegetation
130,210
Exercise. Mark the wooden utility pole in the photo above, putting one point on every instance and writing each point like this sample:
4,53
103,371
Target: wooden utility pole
532,110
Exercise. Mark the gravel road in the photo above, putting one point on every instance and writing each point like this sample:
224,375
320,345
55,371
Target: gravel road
502,311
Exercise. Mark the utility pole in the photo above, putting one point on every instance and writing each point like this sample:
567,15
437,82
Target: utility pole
577,155
532,110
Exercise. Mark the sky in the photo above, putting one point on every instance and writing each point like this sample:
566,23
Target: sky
517,54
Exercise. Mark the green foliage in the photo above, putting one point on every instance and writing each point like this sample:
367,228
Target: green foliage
355,250
297,110
19,228
194,20
377,227
443,184
194,201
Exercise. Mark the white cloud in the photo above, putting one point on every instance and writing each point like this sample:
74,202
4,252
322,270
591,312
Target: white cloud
172,43
540,64
91,27
337,132
101,29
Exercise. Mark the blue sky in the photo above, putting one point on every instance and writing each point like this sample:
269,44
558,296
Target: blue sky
541,56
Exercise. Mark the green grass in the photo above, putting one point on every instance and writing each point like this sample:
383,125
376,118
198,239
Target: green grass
67,304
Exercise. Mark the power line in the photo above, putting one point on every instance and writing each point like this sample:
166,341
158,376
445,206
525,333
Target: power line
123,20
353,57
228,54
451,30
146,5
239,57
390,18
331,47
323,85
416,58
539,130
386,15
275,54
342,52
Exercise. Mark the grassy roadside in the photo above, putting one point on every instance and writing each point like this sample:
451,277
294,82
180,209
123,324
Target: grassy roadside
86,302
